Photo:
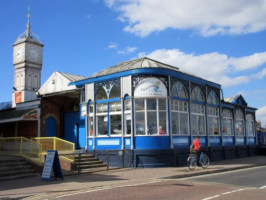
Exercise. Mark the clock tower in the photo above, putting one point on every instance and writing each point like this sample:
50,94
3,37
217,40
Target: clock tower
27,61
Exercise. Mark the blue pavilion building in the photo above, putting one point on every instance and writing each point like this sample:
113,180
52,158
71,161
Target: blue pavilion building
147,113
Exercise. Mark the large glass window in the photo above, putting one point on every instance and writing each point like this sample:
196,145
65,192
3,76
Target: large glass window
101,94
250,125
197,119
115,117
127,119
239,123
212,98
178,90
227,122
91,122
179,117
102,119
213,121
150,116
197,94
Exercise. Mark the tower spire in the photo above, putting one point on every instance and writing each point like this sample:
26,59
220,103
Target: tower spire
28,23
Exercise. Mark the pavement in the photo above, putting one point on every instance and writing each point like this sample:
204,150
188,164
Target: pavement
34,188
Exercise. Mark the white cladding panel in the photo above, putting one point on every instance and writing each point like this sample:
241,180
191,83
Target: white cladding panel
56,83
89,92
126,86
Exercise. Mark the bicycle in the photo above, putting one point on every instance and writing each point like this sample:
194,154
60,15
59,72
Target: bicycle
192,161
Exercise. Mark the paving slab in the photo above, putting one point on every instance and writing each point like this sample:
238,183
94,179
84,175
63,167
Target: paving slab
29,187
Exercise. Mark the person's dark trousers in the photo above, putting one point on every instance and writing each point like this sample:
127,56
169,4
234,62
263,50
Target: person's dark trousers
198,156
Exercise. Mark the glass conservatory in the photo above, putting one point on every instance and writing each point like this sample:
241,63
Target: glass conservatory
147,113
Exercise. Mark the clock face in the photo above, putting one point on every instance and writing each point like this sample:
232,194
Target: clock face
19,54
34,55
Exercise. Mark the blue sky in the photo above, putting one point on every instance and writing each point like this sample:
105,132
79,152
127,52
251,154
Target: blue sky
222,41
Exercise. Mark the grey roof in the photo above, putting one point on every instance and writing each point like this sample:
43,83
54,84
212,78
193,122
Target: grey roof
135,64
72,77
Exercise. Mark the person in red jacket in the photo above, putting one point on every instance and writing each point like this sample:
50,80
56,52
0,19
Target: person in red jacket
196,143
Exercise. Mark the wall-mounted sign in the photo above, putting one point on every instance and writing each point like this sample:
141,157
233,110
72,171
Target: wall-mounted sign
32,115
150,87
18,97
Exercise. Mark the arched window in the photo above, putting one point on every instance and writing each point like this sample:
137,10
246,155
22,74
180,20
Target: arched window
239,123
212,98
250,125
101,94
198,126
227,122
197,94
213,114
115,92
178,90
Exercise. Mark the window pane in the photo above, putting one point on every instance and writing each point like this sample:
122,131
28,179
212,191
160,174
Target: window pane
151,104
101,94
91,109
152,123
139,104
250,128
128,124
91,126
115,106
102,125
162,104
115,92
162,123
128,105
116,125
183,123
140,123
201,125
239,128
194,125
213,127
175,122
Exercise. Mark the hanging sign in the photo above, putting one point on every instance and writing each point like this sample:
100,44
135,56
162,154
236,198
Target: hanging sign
150,87
32,115
51,163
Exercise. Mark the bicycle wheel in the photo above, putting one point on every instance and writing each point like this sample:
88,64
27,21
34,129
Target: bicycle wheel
204,161
192,162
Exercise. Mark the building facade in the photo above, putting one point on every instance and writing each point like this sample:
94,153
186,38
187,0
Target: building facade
150,112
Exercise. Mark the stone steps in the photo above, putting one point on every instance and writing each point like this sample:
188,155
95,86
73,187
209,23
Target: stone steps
15,168
87,162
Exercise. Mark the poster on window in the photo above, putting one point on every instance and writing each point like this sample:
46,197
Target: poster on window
150,87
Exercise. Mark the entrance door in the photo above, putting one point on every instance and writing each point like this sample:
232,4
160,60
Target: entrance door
74,129
50,127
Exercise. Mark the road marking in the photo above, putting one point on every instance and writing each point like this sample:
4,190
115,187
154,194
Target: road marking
211,197
225,193
108,188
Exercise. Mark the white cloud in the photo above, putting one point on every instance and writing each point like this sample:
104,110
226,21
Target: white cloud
206,17
261,115
127,50
249,62
112,46
215,67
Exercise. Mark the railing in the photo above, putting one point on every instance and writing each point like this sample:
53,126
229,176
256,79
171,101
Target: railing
20,146
64,148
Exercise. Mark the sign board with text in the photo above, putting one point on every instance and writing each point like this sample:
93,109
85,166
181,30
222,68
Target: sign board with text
51,163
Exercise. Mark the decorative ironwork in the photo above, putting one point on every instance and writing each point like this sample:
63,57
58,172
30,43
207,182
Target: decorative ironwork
107,86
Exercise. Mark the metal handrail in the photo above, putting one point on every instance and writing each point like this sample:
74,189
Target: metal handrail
21,146
64,148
